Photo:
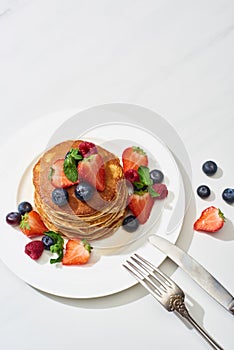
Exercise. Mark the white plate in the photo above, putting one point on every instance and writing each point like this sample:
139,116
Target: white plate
114,128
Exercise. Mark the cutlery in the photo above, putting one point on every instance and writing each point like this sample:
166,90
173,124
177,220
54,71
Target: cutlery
195,270
166,291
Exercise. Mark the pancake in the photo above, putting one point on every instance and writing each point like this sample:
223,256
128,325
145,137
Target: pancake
99,216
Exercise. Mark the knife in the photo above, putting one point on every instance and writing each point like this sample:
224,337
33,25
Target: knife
198,273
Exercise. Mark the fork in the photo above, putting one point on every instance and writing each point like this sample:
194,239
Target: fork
166,291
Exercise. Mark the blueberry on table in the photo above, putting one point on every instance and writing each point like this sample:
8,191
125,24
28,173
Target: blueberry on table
203,191
60,196
130,223
84,191
24,207
209,168
156,176
47,241
228,195
13,218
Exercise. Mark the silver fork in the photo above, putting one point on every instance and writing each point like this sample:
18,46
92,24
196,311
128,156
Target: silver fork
166,291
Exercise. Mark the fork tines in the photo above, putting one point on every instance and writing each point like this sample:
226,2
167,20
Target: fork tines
154,280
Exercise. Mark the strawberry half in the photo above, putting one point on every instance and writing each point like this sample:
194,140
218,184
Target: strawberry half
92,170
211,220
133,157
77,252
58,177
141,206
32,225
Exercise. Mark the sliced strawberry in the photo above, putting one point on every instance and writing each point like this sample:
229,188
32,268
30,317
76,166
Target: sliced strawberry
32,225
77,252
133,157
211,220
87,148
58,177
92,170
141,206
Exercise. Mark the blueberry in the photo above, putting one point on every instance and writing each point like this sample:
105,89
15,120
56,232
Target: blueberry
24,207
130,223
84,191
13,218
156,176
209,168
203,191
47,241
60,196
228,195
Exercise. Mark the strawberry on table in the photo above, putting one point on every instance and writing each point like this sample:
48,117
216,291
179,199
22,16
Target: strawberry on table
58,177
141,206
32,225
77,252
133,157
211,220
92,170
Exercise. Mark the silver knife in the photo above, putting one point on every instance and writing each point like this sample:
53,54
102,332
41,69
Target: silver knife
198,273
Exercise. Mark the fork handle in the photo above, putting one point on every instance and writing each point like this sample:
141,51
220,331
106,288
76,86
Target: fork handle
204,334
177,304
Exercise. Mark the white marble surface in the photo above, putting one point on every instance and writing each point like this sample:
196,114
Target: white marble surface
175,57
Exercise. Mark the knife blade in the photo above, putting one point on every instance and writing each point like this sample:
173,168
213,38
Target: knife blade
196,271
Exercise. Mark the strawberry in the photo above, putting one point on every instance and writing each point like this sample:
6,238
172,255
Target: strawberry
32,225
58,177
211,220
133,157
34,249
77,252
141,205
92,170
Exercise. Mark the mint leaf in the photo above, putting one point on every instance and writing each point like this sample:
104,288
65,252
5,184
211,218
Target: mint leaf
152,192
74,153
70,169
144,175
57,247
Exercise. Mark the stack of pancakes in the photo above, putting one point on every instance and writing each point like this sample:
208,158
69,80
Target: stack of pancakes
91,220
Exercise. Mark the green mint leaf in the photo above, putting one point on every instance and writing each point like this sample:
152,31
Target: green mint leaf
57,247
152,192
74,153
144,175
70,169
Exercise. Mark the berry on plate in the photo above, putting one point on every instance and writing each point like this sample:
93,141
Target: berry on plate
131,175
203,191
87,148
228,195
161,190
32,225
24,207
141,206
77,252
47,241
58,177
209,168
133,157
92,170
211,220
130,223
156,176
34,249
13,218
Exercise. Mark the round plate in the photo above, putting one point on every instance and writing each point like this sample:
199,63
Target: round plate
114,127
